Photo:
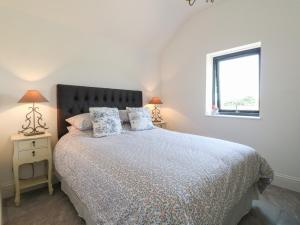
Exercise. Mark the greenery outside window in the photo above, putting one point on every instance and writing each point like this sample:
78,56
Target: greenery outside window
236,83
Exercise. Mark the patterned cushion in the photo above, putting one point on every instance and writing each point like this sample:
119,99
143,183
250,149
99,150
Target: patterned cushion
140,119
106,121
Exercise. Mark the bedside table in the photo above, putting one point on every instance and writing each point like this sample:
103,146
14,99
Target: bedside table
31,149
161,124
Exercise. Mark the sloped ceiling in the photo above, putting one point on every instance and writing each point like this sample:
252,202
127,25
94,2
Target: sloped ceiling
146,24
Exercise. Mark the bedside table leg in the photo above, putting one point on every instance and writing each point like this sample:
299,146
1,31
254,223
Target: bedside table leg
17,185
50,188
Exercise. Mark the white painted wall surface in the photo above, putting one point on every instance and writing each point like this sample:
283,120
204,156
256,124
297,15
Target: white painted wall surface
112,44
36,53
230,24
42,44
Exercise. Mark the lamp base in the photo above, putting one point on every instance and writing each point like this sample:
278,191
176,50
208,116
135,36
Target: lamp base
34,133
157,121
33,120
156,118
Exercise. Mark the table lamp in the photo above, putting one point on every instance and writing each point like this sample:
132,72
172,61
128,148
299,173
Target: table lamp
156,117
33,119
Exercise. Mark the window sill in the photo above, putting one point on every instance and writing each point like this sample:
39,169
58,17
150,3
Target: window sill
233,116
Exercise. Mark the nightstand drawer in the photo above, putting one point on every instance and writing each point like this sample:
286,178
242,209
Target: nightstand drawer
33,144
33,155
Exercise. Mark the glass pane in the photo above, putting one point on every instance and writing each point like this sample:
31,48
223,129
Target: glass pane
239,83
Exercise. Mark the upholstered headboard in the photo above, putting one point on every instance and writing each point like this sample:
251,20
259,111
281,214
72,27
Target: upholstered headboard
73,100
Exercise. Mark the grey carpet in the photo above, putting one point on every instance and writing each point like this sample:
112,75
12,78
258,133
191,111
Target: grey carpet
276,206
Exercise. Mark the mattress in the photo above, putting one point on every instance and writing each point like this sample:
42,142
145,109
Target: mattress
159,177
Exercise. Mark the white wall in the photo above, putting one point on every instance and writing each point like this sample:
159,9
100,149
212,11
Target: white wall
231,24
38,54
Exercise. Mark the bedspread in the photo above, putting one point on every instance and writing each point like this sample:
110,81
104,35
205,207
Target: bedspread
159,176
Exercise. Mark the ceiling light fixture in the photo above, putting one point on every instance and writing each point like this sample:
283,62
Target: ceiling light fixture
192,2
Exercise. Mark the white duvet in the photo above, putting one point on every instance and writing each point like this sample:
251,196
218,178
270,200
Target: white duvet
158,176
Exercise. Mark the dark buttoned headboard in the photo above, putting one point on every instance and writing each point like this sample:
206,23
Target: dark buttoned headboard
74,100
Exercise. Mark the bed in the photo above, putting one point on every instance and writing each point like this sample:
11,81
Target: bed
154,176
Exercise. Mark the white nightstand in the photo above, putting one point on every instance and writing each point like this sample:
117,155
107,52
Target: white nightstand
161,124
30,150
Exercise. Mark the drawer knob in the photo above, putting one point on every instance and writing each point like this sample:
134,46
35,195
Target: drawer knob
33,153
33,143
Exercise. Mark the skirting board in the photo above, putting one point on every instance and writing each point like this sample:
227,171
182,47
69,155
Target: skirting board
0,208
8,189
288,182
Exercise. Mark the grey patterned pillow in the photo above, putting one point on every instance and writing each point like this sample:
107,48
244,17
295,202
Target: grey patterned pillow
140,119
106,121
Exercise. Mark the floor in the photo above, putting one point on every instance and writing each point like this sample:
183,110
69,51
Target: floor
276,206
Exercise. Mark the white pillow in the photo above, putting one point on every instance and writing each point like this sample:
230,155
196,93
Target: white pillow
74,131
71,128
140,119
126,126
106,121
81,121
137,109
124,116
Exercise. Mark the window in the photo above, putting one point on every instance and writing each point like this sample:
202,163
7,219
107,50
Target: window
236,78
